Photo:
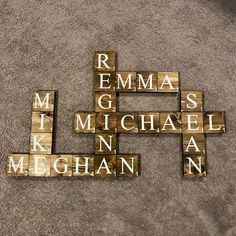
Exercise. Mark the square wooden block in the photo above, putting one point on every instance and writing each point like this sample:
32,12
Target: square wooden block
106,122
105,81
170,122
191,101
42,122
105,165
105,102
214,122
146,81
83,165
61,165
39,165
127,122
194,165
192,122
84,122
125,81
127,165
148,122
105,143
168,82
43,100
18,165
41,143
105,61
193,143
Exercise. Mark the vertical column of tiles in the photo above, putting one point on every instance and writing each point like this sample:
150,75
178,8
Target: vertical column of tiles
41,143
105,113
193,137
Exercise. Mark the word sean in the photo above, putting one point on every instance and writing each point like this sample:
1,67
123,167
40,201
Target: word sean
106,122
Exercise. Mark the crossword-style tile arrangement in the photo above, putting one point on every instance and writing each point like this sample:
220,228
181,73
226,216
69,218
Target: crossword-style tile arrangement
106,123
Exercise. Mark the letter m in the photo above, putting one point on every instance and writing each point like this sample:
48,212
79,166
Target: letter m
84,122
16,164
41,103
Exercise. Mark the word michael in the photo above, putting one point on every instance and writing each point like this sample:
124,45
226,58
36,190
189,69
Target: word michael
106,122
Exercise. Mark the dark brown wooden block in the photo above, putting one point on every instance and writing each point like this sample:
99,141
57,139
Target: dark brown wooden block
193,143
104,81
148,122
105,165
127,122
170,122
214,122
83,165
146,81
42,122
168,82
39,165
194,165
105,102
84,122
105,143
105,61
125,81
61,165
191,100
18,165
106,122
43,100
41,143
192,122
127,165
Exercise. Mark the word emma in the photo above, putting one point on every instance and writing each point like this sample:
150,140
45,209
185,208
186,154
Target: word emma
106,122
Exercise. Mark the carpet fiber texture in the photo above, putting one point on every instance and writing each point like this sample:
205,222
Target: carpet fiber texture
50,45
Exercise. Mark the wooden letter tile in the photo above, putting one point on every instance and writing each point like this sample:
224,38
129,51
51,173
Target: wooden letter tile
39,165
214,122
125,81
193,143
61,165
127,165
194,165
191,100
105,61
42,122
148,122
83,165
104,81
127,122
105,102
18,165
105,143
146,82
168,82
84,122
105,165
106,122
170,122
43,100
41,143
192,122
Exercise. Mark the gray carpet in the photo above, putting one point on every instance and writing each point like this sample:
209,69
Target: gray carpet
50,45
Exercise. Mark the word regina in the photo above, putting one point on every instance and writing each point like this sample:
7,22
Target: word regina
106,123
